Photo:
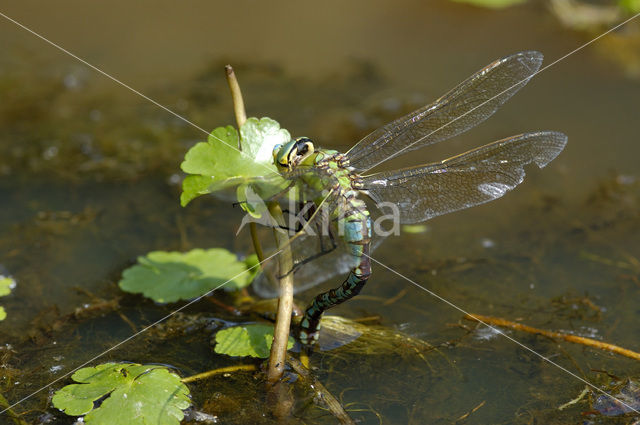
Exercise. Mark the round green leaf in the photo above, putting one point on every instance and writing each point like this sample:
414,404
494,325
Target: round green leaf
136,395
6,285
247,340
260,136
218,164
171,276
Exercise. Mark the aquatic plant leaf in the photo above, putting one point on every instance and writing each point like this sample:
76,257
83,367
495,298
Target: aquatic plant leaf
492,4
218,164
247,340
260,136
6,285
171,276
135,395
194,186
631,6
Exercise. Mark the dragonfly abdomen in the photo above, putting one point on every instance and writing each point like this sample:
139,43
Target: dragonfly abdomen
354,226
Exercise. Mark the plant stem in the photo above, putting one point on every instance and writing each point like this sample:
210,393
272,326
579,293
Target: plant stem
214,372
241,118
236,96
4,404
281,329
285,260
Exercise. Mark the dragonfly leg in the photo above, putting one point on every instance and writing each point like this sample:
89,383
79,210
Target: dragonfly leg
323,251
304,213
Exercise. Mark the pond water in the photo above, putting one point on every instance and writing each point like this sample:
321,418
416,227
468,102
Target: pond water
90,180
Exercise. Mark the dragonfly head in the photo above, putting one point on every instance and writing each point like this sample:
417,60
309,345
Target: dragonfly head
288,156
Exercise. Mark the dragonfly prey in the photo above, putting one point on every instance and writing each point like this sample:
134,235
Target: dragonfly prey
339,181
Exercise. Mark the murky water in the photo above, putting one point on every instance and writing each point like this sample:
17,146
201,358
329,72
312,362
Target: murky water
89,180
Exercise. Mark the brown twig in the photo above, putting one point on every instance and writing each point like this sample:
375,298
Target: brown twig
322,393
554,335
474,410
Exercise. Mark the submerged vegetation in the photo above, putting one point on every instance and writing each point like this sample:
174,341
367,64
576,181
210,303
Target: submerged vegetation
424,356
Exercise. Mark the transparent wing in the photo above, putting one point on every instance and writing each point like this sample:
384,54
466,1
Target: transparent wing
464,107
317,270
319,254
472,178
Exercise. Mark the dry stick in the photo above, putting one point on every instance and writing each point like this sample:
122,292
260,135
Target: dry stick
219,371
555,335
285,302
322,393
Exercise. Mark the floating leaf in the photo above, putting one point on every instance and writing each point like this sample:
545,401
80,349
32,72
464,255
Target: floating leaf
247,340
135,395
492,4
6,285
218,164
171,276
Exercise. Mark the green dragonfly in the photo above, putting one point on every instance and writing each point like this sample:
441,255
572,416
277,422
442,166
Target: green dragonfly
337,183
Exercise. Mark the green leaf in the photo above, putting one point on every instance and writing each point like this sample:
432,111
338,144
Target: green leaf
630,6
194,186
6,285
260,136
218,164
492,4
136,395
171,276
247,340
253,264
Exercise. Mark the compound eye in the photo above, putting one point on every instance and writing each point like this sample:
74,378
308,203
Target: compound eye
303,149
303,146
276,152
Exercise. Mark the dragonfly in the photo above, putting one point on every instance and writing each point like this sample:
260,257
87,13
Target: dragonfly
338,183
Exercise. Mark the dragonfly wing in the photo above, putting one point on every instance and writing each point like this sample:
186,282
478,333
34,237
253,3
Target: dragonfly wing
316,258
464,107
318,255
472,178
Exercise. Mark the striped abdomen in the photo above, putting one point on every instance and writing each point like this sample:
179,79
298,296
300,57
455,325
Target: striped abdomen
355,228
